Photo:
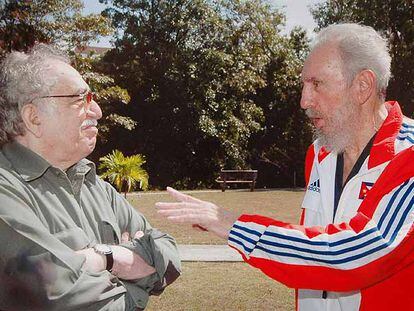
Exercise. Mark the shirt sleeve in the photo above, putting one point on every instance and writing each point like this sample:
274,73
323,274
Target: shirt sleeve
375,244
29,253
158,249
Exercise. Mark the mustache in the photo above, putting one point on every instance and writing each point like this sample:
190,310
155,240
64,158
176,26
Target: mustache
312,113
89,122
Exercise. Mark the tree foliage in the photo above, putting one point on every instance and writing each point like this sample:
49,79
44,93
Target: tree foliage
60,22
395,19
22,23
125,173
196,86
281,145
210,81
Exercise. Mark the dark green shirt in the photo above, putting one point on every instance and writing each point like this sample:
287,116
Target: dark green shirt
46,214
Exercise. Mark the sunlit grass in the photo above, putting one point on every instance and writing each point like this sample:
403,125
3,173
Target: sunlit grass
280,204
218,285
223,286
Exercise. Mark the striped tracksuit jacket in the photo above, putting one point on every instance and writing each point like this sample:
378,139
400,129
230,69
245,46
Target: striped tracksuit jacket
363,256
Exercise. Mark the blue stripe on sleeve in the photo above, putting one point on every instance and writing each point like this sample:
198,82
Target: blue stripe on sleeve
406,138
396,210
248,230
232,232
390,203
408,126
390,206
246,249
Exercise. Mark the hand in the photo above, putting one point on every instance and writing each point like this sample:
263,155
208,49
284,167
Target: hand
125,237
127,264
94,262
200,213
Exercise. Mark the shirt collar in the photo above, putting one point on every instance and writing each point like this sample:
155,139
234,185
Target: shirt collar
26,162
84,167
31,166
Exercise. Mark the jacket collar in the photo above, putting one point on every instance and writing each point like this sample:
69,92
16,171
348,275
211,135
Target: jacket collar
383,149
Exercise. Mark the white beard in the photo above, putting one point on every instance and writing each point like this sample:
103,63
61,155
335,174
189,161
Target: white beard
340,128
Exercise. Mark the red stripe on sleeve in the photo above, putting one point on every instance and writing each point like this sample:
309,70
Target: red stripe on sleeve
325,278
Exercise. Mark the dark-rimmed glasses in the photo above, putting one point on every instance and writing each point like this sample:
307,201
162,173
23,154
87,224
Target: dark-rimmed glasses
87,98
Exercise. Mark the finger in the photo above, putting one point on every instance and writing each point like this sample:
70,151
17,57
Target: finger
176,212
182,210
138,235
188,218
125,237
176,205
181,196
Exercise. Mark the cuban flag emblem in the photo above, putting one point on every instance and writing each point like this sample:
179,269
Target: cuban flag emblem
365,187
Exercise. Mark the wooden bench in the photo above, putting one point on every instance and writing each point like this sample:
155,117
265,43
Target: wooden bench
237,176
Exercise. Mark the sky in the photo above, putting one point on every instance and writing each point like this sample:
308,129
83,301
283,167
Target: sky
297,13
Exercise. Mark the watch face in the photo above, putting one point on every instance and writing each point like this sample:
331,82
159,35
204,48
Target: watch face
103,249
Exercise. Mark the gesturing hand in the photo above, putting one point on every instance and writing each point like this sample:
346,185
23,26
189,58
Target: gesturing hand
194,211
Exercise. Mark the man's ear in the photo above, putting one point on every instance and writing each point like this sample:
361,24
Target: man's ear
31,118
365,85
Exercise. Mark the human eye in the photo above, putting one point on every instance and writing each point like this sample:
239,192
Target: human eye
316,83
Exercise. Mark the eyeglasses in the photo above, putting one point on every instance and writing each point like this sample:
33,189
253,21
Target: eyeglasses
87,98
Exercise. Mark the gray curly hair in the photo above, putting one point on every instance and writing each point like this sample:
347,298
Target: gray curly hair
22,80
361,47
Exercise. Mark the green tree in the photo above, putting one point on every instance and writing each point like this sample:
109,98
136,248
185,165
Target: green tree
281,145
395,18
22,23
197,72
125,173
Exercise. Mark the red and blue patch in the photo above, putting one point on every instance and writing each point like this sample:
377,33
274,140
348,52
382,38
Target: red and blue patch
365,188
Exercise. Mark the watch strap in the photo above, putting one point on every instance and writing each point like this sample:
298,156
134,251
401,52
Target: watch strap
106,250
109,262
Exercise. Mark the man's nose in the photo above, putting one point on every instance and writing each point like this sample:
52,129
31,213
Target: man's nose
95,110
306,100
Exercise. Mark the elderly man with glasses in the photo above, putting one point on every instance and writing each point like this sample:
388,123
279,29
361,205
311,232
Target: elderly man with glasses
84,243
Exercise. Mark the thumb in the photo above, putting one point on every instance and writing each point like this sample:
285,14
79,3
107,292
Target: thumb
125,237
138,235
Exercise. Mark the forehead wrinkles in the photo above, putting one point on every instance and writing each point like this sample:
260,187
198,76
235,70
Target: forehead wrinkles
68,79
323,63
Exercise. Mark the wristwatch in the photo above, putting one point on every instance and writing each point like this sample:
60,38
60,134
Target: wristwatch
104,249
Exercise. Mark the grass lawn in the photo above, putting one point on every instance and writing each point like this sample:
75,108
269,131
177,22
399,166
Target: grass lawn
280,204
219,285
223,286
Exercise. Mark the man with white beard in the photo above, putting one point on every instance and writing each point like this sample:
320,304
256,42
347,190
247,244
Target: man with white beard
354,248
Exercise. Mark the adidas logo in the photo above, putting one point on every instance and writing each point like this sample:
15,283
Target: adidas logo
315,186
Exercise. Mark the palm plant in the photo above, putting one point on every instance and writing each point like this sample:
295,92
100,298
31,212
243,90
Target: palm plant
125,173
